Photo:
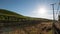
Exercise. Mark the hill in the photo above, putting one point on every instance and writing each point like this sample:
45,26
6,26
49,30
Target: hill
3,11
12,14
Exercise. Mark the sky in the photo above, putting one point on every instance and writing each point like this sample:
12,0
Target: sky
31,8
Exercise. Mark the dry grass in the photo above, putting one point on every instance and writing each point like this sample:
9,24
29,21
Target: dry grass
42,28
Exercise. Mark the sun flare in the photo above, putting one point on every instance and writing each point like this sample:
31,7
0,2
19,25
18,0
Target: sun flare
42,10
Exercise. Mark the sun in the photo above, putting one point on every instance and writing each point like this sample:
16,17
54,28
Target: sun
42,10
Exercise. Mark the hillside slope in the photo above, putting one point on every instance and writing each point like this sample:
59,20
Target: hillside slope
7,12
14,14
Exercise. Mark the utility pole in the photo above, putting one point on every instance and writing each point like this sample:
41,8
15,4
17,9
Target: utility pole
53,13
53,24
53,19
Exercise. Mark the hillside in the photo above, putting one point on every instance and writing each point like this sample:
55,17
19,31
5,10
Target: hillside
8,13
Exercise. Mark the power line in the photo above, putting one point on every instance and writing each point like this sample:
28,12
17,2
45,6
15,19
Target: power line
58,7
